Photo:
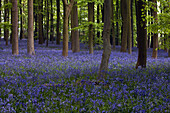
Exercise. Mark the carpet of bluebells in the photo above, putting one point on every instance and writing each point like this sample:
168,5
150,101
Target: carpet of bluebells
47,82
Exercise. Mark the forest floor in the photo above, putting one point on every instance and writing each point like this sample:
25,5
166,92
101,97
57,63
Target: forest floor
47,82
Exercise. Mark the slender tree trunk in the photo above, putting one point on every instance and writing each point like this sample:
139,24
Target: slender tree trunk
30,41
113,25
36,20
124,12
58,23
6,31
47,6
67,9
151,34
129,35
15,50
169,49
91,19
102,11
75,33
155,35
106,40
52,27
40,22
0,19
21,25
141,34
98,21
11,24
117,23
132,23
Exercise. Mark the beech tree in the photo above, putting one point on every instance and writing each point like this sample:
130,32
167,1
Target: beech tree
6,19
129,35
124,12
91,19
113,26
40,22
106,40
67,10
21,22
58,23
155,35
117,23
52,27
141,33
15,50
0,19
47,17
75,44
30,41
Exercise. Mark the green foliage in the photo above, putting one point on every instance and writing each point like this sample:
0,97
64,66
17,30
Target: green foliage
162,24
6,24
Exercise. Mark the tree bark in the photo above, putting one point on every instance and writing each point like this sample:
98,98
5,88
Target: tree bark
98,21
124,12
90,19
52,27
6,19
30,41
117,23
15,50
155,35
40,22
36,20
129,35
74,33
47,7
141,34
0,19
106,40
58,23
113,25
102,11
67,9
11,24
132,23
21,32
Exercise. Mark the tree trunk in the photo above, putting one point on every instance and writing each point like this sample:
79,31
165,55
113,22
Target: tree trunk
52,27
21,32
155,35
6,31
58,23
67,9
106,40
75,33
35,19
117,23
132,23
14,17
47,28
91,19
102,11
141,34
0,19
98,21
151,34
129,35
124,12
113,25
11,24
30,41
40,22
